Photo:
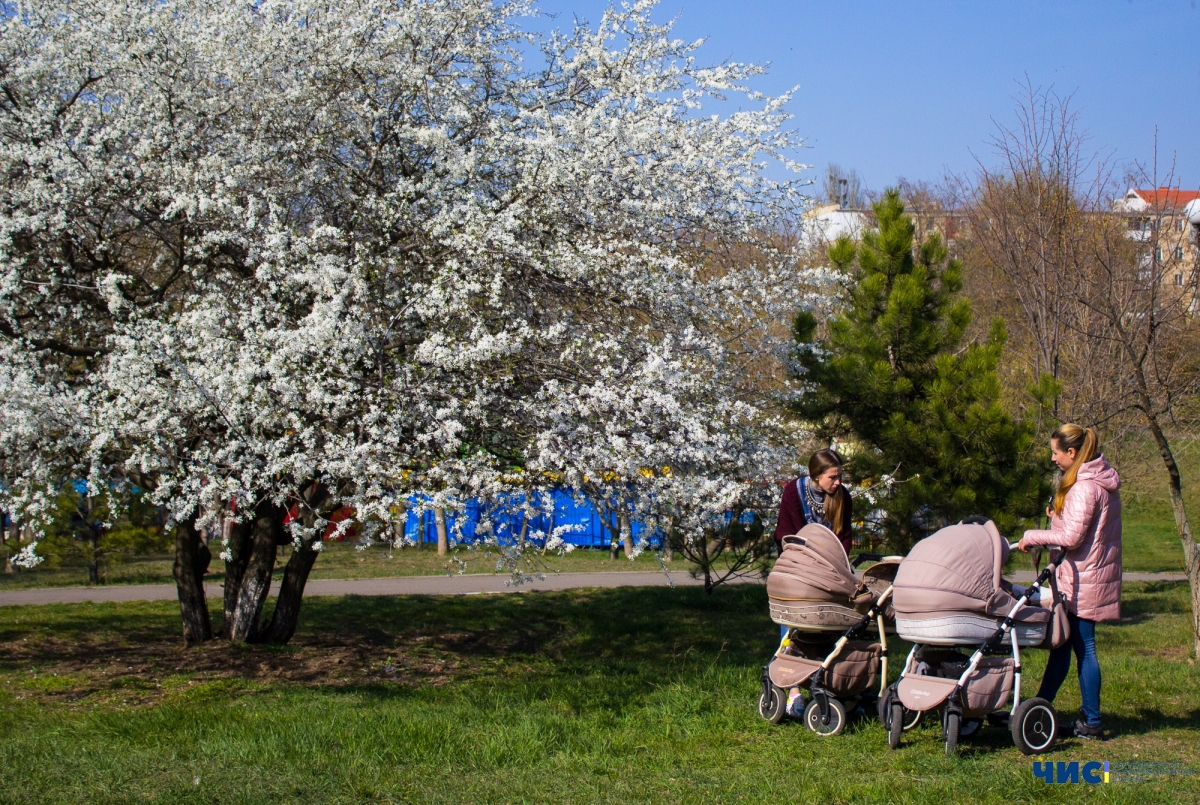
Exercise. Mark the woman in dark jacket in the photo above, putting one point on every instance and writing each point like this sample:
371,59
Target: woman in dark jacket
818,497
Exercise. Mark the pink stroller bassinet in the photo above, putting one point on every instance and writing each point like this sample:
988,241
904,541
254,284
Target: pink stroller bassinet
813,587
949,591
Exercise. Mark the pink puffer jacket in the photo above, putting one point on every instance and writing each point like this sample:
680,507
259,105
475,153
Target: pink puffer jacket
1089,528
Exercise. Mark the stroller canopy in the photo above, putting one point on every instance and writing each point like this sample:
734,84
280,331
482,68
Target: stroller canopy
813,567
957,569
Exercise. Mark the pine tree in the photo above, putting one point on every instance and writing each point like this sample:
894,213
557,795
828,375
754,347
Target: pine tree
893,377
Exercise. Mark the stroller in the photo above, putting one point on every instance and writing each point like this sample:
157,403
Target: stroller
949,594
829,611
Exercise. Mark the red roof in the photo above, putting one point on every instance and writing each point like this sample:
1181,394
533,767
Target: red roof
1168,197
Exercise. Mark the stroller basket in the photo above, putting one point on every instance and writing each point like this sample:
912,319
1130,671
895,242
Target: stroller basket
987,689
853,671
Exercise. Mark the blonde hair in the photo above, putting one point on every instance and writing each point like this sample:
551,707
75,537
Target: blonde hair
835,509
1085,443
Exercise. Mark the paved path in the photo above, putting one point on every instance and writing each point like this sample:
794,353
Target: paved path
1133,575
470,584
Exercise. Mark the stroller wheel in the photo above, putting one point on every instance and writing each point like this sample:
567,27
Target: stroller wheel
951,733
772,701
1034,725
836,722
895,725
910,719
883,706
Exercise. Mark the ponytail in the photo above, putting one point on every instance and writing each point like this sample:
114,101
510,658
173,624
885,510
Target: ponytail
836,508
1085,443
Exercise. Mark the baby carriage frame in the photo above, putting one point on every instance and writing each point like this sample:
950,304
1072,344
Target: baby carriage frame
828,613
931,678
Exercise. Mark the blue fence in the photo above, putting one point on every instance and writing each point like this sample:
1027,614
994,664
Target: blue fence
507,518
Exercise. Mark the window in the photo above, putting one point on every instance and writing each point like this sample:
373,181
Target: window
1179,279
1158,254
1178,252
1180,224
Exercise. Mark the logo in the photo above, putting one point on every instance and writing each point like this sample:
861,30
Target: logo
1094,771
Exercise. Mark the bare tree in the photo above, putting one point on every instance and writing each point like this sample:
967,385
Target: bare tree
1136,305
1025,217
1098,296
731,550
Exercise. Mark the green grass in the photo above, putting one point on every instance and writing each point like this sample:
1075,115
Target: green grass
624,695
1149,538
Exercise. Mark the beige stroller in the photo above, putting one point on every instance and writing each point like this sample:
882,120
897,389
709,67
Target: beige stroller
948,594
828,611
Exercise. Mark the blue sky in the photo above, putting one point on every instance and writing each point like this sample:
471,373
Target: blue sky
913,88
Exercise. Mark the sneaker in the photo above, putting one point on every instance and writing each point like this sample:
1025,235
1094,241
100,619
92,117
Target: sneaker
795,706
1088,732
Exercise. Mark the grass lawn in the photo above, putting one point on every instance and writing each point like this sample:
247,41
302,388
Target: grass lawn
623,695
1149,539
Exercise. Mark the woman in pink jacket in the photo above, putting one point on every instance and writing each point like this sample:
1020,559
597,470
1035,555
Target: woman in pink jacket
1085,522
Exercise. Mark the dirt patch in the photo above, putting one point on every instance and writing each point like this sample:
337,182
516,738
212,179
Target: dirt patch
89,671
1179,654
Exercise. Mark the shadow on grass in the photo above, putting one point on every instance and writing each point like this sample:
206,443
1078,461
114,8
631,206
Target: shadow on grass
379,644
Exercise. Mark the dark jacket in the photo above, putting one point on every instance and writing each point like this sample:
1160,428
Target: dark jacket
792,519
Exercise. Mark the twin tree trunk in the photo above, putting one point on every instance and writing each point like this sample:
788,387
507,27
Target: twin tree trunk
622,537
253,546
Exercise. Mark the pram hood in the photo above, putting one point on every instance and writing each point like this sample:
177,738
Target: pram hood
957,570
814,567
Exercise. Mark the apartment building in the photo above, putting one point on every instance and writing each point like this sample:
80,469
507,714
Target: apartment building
1167,220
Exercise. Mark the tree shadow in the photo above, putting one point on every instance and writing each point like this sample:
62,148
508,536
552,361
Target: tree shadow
629,637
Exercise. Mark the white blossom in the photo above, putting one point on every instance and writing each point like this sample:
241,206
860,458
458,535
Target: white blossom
391,248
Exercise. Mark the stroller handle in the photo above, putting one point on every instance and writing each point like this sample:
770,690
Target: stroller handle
866,557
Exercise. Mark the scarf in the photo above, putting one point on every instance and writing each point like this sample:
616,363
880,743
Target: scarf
816,502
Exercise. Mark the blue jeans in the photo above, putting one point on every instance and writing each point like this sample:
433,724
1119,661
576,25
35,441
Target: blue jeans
1083,645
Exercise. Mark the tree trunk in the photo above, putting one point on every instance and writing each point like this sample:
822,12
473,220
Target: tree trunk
524,532
238,549
94,558
291,594
191,562
439,516
626,534
255,583
614,541
668,542
1191,550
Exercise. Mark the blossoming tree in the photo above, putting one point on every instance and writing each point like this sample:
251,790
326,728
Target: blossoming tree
281,257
